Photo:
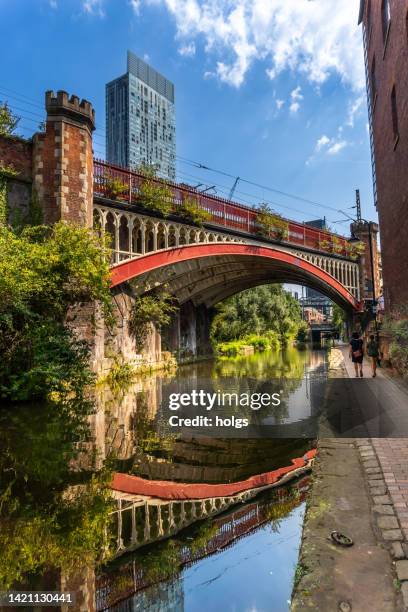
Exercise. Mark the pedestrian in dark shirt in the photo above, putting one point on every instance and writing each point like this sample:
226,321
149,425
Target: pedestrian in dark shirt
356,352
373,352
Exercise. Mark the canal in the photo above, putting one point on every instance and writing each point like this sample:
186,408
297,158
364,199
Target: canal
133,552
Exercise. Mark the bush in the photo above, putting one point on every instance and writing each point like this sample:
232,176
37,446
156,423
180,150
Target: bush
153,309
270,224
397,328
303,332
154,194
45,273
191,211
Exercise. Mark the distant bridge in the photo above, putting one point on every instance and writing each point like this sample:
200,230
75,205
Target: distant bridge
226,255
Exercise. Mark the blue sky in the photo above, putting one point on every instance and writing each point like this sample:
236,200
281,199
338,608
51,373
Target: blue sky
268,90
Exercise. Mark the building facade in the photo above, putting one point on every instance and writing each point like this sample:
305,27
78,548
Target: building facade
140,119
385,35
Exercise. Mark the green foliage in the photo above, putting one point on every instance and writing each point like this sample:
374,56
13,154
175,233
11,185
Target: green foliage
355,249
335,245
45,273
396,325
339,317
51,517
193,212
303,332
152,309
6,172
114,187
8,120
154,193
259,311
234,348
120,376
270,224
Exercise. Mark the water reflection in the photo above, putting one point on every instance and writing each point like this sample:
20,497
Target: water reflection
243,558
54,515
57,513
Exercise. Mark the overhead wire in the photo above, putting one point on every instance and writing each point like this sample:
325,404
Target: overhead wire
25,100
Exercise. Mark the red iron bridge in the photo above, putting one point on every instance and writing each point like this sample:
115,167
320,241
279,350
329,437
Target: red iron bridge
227,253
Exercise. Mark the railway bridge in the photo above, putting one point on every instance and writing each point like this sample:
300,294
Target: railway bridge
199,263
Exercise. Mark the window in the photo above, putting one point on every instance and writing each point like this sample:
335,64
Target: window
385,17
394,113
373,83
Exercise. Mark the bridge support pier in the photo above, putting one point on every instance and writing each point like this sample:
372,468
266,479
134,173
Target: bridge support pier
188,335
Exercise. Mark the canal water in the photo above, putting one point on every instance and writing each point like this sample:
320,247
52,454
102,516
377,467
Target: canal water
131,554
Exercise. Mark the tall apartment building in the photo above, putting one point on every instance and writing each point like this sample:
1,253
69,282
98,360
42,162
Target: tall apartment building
140,119
385,36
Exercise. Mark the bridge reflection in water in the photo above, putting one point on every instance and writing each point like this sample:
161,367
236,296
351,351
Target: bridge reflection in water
130,579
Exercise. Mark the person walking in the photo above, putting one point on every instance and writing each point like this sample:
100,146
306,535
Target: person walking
374,353
356,352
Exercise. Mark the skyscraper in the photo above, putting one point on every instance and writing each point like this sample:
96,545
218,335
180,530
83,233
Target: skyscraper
140,119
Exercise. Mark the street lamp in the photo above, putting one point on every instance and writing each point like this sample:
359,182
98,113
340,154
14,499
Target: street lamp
355,239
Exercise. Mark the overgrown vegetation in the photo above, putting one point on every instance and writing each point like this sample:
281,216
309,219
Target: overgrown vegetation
265,317
8,120
45,274
396,325
193,212
154,193
338,319
114,187
270,224
259,343
155,309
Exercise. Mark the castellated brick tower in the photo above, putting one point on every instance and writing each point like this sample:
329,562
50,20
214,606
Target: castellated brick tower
63,161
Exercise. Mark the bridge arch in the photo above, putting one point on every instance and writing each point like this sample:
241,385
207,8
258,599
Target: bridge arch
207,273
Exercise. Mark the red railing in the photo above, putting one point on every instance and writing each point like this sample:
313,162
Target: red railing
223,213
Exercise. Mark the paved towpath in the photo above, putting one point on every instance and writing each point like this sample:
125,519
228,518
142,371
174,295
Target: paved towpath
361,489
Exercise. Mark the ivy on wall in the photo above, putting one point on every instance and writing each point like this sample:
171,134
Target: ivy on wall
6,172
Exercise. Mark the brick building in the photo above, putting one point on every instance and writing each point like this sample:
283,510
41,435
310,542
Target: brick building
385,35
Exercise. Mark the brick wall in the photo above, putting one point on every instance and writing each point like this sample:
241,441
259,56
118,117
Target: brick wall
391,154
17,152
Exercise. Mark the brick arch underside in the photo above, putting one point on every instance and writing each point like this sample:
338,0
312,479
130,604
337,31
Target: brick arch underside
207,274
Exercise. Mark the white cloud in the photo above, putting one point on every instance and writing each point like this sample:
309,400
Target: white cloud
314,37
331,146
322,142
336,147
296,98
279,103
187,50
135,4
93,7
355,107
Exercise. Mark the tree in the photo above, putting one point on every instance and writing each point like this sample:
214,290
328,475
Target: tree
8,120
45,273
257,311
